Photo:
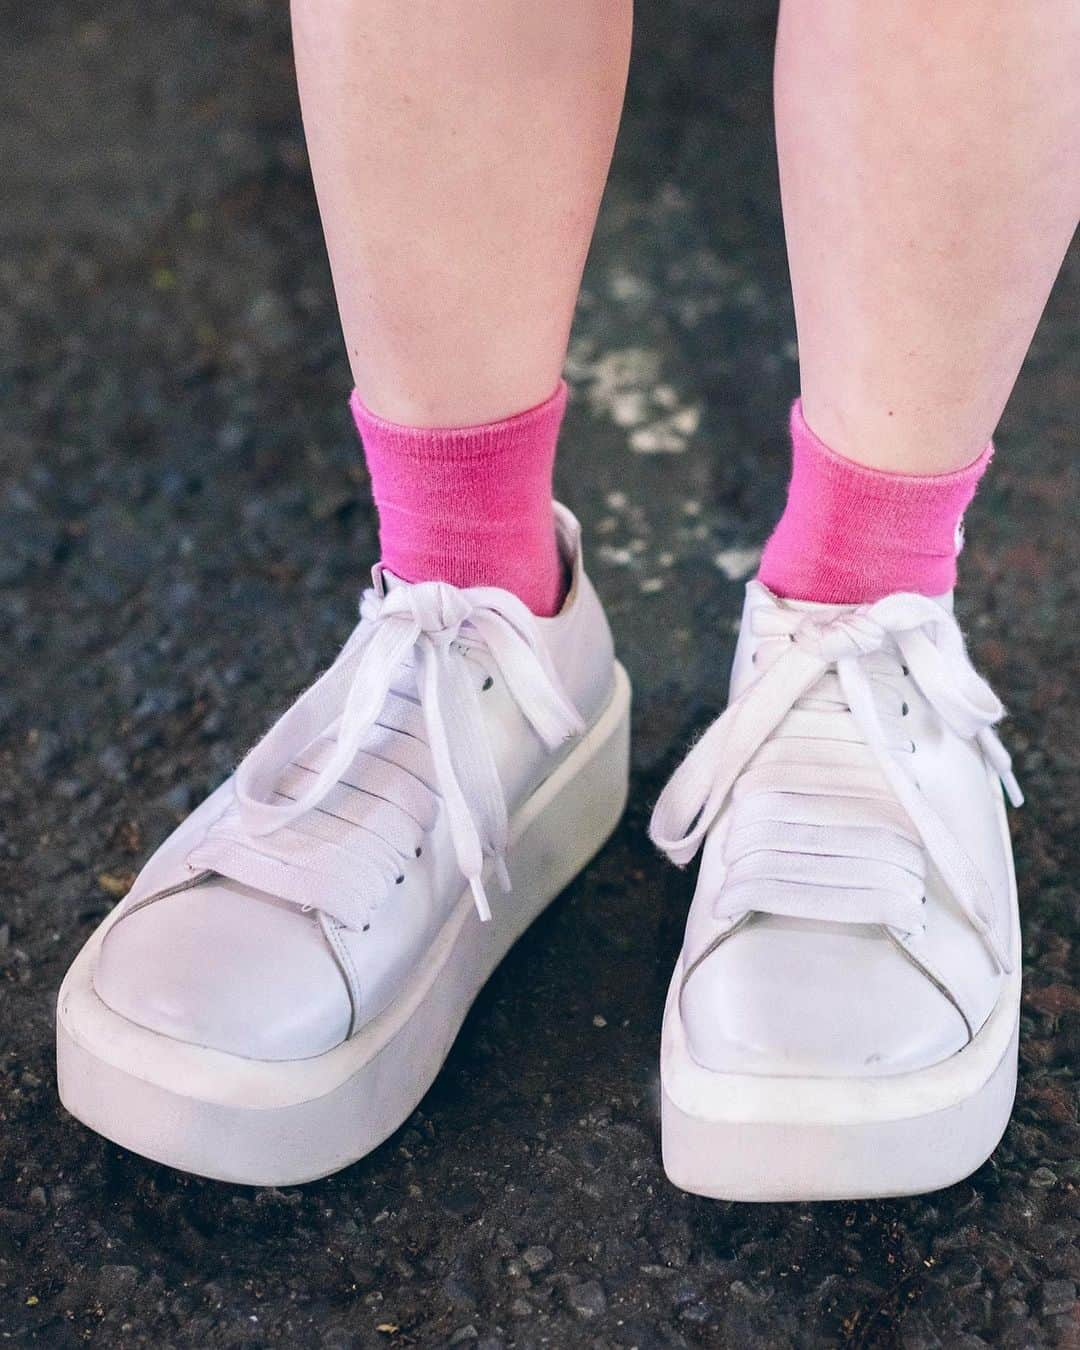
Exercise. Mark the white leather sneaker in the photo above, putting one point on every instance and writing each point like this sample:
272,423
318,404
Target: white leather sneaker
842,1021
285,978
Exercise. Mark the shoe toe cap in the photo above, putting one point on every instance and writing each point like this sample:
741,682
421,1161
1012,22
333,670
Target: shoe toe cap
225,967
805,999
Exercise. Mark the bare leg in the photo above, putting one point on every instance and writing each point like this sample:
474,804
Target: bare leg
459,153
930,170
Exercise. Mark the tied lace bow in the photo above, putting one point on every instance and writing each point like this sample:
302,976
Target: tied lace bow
930,645
433,623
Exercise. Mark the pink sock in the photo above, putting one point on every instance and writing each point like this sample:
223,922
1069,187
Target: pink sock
851,534
469,505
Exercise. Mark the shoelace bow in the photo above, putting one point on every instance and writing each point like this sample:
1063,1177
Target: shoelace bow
931,646
430,622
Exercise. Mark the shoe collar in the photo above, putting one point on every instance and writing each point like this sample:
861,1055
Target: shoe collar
568,536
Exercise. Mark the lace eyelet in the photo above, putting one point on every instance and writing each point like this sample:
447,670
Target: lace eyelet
419,850
487,684
399,880
904,710
904,670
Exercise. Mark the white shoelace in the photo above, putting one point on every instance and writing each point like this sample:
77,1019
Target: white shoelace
804,853
432,625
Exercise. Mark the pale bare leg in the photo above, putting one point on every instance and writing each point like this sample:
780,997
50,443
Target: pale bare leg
459,153
930,169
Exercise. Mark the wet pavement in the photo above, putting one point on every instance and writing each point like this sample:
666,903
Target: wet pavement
184,525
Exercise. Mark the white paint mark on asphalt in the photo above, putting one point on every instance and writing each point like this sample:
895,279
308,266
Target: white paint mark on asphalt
737,563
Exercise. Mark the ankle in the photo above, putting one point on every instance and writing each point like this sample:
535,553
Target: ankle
471,506
851,534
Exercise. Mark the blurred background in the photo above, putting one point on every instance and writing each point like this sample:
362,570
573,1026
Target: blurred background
184,528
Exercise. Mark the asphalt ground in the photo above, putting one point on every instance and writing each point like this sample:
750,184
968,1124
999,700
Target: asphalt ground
184,527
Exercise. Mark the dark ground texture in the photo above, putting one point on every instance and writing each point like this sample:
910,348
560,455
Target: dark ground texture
183,530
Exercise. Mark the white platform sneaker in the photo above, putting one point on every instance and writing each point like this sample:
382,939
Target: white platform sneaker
842,1021
283,982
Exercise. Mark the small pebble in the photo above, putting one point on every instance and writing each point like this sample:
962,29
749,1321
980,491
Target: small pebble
587,1299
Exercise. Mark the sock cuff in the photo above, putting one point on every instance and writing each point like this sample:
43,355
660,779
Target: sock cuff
536,425
806,443
851,534
469,505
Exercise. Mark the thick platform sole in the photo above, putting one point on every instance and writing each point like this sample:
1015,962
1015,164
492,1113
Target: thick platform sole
748,1137
277,1124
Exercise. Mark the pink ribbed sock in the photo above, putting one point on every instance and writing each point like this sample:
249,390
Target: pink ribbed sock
851,534
469,505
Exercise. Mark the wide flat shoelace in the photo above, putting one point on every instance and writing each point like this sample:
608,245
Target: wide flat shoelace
348,780
825,821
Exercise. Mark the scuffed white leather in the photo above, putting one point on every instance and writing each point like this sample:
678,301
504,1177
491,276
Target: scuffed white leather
227,966
801,998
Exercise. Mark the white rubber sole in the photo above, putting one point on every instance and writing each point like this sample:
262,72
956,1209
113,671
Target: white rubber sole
283,1123
762,1138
